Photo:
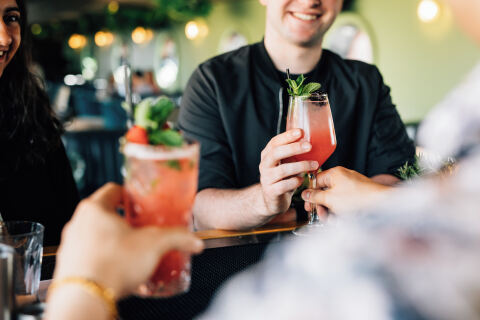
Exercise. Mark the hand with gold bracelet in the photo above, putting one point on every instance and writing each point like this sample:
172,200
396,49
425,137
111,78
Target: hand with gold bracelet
102,259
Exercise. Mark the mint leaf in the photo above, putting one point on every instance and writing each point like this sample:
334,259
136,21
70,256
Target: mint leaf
160,111
174,164
167,137
310,88
298,89
300,80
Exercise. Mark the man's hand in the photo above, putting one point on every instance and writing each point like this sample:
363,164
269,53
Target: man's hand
279,180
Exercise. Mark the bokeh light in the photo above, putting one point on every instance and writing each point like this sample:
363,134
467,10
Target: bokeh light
428,10
77,41
36,29
113,7
141,35
104,38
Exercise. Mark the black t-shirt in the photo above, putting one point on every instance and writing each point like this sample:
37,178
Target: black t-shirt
236,102
43,192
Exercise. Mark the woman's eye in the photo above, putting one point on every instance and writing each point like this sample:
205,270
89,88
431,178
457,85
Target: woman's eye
12,19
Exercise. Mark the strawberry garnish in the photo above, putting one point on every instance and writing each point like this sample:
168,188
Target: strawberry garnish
137,134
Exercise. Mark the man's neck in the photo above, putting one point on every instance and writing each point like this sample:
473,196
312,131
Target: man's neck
298,59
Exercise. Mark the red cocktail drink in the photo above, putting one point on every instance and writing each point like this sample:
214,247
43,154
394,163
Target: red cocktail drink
315,118
160,188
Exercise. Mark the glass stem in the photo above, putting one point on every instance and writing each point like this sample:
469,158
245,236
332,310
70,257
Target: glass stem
313,217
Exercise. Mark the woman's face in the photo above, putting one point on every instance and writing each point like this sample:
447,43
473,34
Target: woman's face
10,35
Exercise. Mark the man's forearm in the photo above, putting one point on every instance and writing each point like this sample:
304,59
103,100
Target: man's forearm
230,209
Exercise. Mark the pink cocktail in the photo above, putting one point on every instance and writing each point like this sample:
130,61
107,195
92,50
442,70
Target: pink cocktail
314,117
160,188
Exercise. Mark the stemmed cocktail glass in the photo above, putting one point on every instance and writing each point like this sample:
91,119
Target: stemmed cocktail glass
314,117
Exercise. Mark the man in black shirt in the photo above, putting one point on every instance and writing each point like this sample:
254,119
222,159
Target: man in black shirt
235,105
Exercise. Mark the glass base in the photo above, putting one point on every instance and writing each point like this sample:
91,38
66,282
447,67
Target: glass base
309,230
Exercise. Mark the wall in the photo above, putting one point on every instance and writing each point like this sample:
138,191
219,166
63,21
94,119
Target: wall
246,16
421,62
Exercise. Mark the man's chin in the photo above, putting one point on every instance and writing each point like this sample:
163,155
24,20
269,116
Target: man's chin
307,42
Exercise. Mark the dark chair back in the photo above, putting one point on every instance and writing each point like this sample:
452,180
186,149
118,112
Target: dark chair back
95,158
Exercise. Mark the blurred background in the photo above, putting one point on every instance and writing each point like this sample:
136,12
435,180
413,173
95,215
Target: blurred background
80,46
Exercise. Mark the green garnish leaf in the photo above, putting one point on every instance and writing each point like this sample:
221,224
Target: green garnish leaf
300,81
297,88
152,114
166,137
160,111
310,88
174,164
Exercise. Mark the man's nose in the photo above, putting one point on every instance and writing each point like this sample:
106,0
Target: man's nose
5,38
312,3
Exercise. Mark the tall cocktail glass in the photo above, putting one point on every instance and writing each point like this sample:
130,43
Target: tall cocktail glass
314,117
160,187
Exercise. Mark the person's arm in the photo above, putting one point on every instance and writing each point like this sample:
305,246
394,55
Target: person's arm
99,246
343,190
256,205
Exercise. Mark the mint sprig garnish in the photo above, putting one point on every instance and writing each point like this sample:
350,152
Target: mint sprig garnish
298,88
152,114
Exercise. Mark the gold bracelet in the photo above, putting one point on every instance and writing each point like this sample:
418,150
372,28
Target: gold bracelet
92,287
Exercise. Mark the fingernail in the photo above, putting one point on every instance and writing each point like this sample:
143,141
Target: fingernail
314,164
296,133
306,146
306,195
198,244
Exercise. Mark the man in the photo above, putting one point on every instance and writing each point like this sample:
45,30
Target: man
236,105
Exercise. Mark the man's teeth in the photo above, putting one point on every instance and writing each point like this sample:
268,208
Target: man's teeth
303,16
1,53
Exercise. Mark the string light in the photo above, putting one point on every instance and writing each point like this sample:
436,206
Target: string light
104,38
428,10
141,35
192,30
113,7
77,41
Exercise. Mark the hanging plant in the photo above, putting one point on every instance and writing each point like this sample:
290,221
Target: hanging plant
162,14
184,10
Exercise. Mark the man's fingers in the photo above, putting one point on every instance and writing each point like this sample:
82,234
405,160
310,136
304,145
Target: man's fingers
279,153
109,196
288,170
282,139
285,186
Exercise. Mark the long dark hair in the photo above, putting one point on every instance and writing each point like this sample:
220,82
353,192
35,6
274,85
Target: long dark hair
28,126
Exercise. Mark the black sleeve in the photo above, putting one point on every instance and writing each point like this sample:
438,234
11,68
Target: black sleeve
200,119
389,147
